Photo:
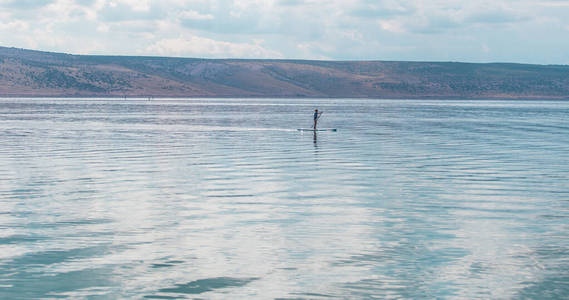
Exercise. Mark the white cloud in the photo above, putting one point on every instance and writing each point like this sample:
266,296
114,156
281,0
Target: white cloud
197,46
103,28
15,26
194,15
135,5
560,3
336,29
392,26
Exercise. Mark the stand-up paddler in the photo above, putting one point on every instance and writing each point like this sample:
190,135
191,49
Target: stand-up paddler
316,117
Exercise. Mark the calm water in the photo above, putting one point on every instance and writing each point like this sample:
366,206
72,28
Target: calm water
224,199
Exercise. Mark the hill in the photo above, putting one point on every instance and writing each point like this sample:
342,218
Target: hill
36,74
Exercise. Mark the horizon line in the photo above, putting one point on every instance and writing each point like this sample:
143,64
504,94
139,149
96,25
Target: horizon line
281,59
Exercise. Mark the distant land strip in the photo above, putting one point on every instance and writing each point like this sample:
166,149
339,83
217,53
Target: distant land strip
29,73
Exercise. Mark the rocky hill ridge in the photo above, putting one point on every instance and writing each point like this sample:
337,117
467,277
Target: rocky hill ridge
39,74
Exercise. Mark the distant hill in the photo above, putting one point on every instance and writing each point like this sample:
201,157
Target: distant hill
36,73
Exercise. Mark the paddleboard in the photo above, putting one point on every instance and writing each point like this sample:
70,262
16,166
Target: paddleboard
323,129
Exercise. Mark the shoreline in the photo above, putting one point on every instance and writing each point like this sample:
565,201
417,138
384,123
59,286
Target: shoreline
165,97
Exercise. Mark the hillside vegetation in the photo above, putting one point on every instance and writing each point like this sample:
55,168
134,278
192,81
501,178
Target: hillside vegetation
35,73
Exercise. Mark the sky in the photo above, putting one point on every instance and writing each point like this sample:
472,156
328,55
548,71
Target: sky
523,31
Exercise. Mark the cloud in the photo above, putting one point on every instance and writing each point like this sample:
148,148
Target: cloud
233,17
336,29
114,11
442,17
85,2
25,4
558,3
290,2
15,26
494,16
194,15
382,9
196,46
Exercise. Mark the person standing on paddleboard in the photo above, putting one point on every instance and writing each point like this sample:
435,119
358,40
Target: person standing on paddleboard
316,117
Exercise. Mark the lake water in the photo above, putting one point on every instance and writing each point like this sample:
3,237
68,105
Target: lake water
225,199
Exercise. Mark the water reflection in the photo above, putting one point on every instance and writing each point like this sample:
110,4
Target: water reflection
219,199
315,139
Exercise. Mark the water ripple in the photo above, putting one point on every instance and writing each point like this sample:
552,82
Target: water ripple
223,198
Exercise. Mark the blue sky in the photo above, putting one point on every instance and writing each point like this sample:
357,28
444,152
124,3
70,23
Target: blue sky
526,31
